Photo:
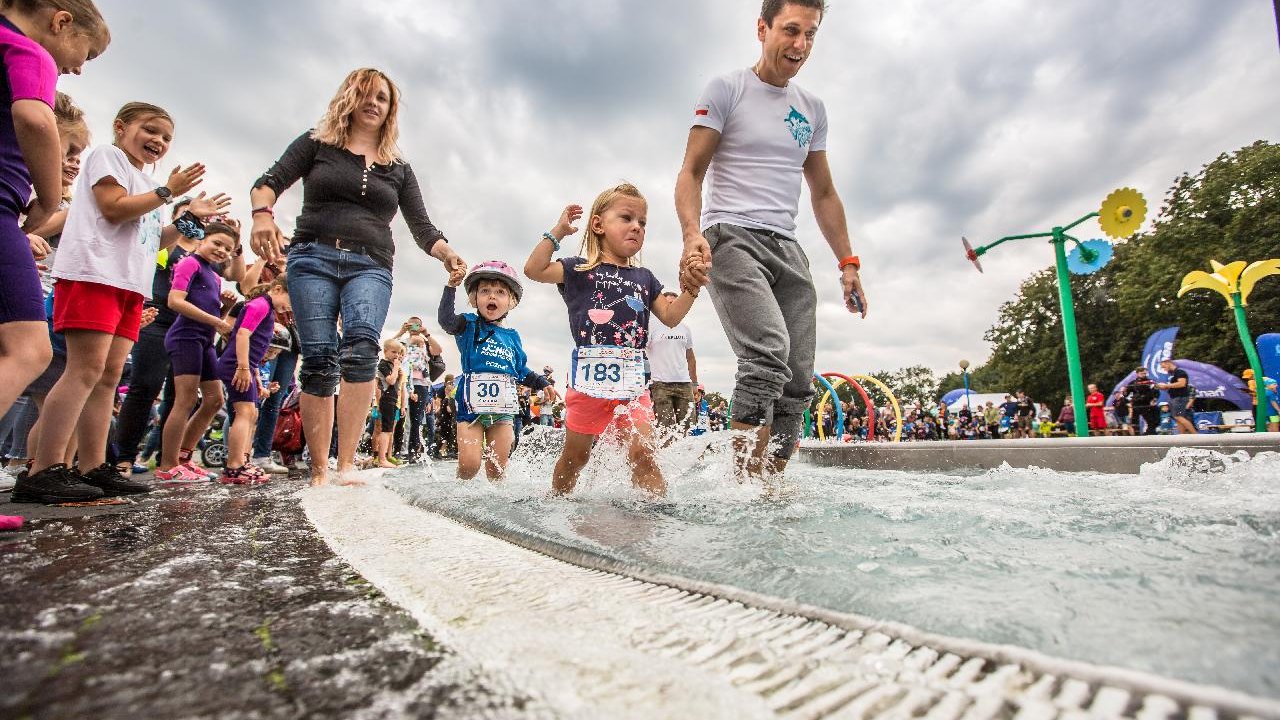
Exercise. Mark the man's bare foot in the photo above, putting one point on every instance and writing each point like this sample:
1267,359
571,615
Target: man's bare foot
387,464
319,475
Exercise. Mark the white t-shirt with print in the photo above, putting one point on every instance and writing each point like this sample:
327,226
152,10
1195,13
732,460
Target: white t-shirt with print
667,347
121,255
766,134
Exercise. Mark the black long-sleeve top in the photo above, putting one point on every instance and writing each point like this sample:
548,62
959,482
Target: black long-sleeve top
345,199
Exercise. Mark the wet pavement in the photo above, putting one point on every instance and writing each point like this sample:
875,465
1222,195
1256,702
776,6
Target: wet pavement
211,601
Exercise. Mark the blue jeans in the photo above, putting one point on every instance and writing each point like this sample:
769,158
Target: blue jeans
269,410
327,285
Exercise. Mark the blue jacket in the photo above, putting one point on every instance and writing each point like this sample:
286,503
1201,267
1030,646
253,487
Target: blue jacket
486,347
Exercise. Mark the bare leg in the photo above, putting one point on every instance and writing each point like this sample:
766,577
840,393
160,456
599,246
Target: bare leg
501,438
1186,427
87,354
241,436
353,413
95,419
645,473
24,354
317,424
171,437
210,403
470,449
574,456
748,456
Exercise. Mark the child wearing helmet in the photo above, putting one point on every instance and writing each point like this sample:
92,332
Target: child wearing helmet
493,363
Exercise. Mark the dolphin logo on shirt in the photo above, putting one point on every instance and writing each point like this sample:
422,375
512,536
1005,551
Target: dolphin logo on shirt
799,126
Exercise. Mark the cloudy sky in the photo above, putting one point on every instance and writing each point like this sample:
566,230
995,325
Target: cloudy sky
983,118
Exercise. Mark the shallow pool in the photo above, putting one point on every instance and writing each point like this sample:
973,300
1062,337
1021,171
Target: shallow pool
1173,570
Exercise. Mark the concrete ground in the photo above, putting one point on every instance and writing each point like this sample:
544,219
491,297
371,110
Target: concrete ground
210,601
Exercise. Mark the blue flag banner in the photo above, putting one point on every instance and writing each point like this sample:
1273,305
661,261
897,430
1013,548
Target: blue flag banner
1210,381
1269,353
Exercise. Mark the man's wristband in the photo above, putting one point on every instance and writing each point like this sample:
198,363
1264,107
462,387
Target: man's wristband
555,243
264,209
851,260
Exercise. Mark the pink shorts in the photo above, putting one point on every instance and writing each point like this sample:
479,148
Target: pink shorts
82,305
592,416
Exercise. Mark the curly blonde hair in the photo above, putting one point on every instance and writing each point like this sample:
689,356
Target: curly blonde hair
593,242
334,127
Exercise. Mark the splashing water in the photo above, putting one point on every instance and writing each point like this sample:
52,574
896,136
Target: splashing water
1171,570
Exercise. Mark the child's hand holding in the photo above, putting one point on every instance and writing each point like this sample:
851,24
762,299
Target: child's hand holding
565,227
456,274
693,274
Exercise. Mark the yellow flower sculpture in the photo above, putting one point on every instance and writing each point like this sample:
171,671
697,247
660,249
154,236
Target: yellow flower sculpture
1122,213
1234,282
1227,280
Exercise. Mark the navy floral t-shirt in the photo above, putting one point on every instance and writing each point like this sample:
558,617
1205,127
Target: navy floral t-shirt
608,305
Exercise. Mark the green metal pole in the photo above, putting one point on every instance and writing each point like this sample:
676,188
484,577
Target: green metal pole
1069,333
1260,413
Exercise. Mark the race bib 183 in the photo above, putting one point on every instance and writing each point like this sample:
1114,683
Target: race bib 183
608,372
492,393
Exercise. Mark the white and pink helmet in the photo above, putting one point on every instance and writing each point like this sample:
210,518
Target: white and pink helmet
494,270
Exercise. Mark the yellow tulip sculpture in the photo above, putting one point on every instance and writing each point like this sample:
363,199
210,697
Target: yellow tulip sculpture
1234,282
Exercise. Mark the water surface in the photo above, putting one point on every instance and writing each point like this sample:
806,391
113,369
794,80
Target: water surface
1172,570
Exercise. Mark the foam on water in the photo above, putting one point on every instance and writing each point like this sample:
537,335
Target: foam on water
1171,570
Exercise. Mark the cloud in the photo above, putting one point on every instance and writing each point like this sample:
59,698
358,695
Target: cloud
983,118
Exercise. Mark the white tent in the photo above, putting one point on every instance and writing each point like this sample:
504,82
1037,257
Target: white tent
977,400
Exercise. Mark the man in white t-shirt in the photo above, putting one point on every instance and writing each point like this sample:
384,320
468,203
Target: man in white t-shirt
755,135
673,371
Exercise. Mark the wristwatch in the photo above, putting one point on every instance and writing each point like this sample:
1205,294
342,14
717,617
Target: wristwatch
165,194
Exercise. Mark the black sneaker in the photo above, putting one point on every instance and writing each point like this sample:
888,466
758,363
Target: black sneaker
55,484
112,483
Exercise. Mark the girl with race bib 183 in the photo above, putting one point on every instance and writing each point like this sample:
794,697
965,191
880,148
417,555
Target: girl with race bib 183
609,298
493,363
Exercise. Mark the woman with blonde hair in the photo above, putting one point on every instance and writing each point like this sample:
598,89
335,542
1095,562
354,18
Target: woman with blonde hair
339,259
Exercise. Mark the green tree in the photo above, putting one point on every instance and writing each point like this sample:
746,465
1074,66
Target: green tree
1229,210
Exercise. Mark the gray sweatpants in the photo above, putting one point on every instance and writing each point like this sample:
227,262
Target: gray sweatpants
763,293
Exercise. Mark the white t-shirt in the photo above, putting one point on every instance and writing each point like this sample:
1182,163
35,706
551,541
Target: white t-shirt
666,351
121,255
766,134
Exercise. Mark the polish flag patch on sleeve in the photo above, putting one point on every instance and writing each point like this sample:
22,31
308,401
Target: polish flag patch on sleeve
701,111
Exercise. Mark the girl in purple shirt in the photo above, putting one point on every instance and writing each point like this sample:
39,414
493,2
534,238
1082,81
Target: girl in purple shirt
238,369
196,295
38,42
